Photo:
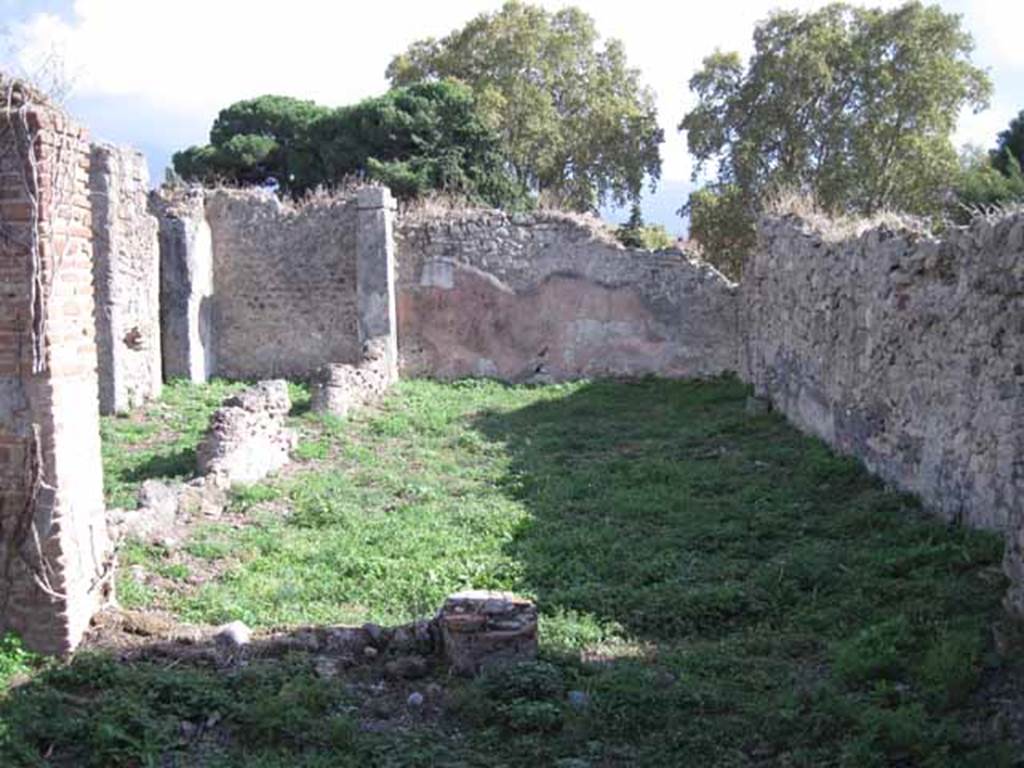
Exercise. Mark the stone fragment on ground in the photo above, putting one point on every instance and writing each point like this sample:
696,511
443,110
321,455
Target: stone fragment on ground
165,510
233,635
154,517
248,439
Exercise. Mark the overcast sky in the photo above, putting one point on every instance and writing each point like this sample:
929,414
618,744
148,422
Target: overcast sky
153,73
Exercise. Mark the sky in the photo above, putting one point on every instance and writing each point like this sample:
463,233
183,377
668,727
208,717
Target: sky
154,74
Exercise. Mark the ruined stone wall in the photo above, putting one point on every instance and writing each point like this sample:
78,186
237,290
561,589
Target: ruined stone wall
53,540
126,270
901,349
284,277
550,296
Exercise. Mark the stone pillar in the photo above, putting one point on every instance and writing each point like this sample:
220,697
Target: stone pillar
126,268
186,285
54,549
375,274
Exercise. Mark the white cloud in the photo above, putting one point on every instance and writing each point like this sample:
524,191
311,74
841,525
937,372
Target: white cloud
997,26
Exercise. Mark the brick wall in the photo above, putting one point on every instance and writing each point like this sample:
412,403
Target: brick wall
54,548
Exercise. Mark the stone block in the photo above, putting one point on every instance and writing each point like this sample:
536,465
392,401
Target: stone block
482,629
338,388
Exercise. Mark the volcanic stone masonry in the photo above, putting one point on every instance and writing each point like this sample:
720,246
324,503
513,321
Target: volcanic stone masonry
284,276
905,351
550,296
248,439
126,270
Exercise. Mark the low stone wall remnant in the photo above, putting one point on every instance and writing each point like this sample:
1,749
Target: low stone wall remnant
338,388
248,439
482,629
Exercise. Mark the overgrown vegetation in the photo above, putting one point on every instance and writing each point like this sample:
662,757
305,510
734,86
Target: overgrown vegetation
715,589
14,659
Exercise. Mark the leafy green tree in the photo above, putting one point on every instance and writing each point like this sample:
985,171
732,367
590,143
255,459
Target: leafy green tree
429,136
577,126
1010,147
636,234
854,106
255,139
721,222
980,184
425,136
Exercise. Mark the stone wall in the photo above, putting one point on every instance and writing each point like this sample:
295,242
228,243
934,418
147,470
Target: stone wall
126,269
901,349
551,296
186,284
284,277
53,542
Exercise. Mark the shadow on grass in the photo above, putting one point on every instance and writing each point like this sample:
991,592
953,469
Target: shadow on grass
771,575
300,698
177,463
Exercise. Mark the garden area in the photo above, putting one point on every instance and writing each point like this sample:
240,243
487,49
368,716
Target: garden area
715,589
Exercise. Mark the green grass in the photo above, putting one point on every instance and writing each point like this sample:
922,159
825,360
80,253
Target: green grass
15,661
158,442
725,591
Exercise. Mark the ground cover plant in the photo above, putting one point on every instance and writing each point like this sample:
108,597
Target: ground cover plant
715,589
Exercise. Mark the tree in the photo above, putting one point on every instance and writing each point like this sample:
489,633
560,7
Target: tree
1010,147
854,106
417,138
992,178
720,221
256,139
576,125
981,185
424,137
636,234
